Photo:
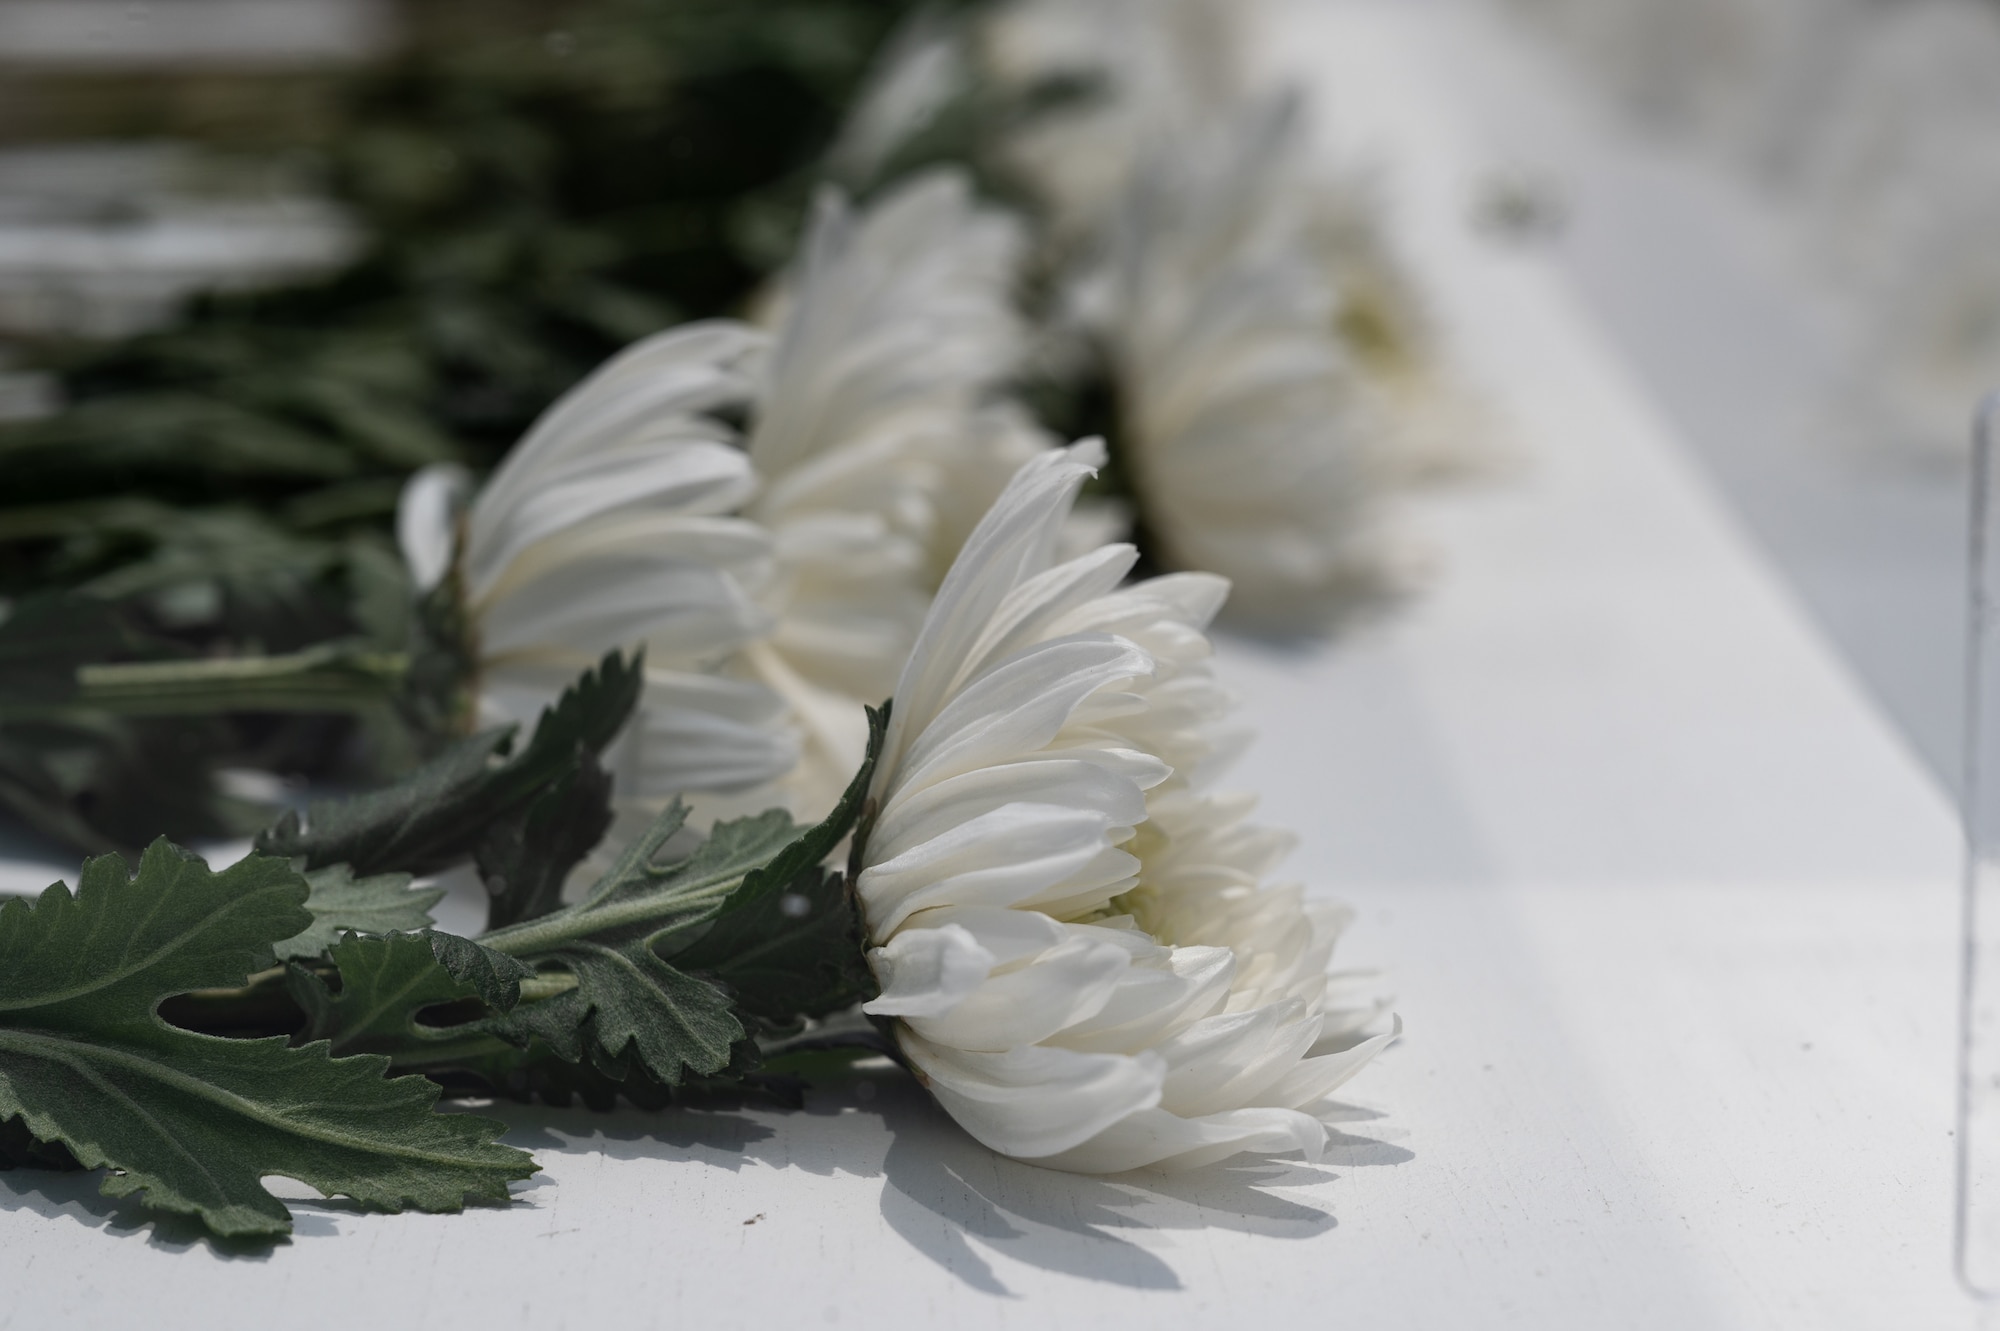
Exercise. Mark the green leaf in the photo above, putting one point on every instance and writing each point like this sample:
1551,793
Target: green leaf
494,977
434,817
340,901
194,1122
810,849
657,904
751,906
788,941
123,943
790,954
420,824
389,984
631,1006
175,432
650,892
523,861
386,984
586,718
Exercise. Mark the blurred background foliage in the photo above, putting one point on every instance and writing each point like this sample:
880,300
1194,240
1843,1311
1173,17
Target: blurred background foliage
535,186
530,187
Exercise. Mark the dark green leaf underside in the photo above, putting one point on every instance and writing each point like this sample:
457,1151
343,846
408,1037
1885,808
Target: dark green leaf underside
438,814
193,1122
340,901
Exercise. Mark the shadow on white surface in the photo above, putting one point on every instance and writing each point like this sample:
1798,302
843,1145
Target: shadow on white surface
73,1196
959,1204
950,1198
76,1196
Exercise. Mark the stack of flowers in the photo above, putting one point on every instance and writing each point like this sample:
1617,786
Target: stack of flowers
1241,330
775,571
781,702
1247,444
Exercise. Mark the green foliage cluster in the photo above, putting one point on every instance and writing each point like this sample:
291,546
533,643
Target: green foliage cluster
193,1032
535,185
532,197
194,1122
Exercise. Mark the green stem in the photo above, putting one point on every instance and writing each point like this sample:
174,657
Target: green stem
332,677
549,933
261,1006
547,986
451,1048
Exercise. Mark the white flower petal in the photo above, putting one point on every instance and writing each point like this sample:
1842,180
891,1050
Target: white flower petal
1045,799
1251,440
1156,1000
927,972
1070,782
1173,600
685,371
691,476
702,733
1019,853
1023,618
1233,1058
799,563
728,547
427,521
894,326
1013,541
617,602
1035,1101
1068,983
1018,707
1157,1139
1013,937
1317,1077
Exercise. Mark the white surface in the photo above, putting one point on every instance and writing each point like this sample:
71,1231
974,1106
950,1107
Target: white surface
1709,286
120,34
120,279
1669,908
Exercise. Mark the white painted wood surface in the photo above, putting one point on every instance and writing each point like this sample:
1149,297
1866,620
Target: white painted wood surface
1669,908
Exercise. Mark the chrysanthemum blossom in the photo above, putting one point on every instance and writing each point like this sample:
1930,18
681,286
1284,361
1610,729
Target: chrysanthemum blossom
775,580
1265,333
614,523
1252,450
1162,69
893,331
1072,929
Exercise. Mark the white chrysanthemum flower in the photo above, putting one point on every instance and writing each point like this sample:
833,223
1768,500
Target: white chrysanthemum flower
1072,930
891,334
1247,440
1167,72
611,524
776,581
1161,69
